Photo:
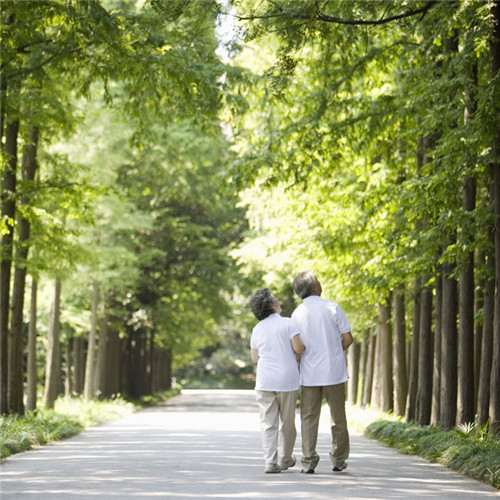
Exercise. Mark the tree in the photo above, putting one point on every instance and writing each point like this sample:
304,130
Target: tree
495,71
345,111
56,53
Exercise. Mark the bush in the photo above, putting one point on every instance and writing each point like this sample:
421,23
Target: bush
466,449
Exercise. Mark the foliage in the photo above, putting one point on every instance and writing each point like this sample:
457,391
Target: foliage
470,450
330,141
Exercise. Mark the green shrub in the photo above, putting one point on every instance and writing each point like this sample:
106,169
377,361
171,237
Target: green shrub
466,449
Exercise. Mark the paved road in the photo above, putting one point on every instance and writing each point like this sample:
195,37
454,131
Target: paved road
206,445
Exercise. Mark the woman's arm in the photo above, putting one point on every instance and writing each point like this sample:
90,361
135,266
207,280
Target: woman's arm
297,344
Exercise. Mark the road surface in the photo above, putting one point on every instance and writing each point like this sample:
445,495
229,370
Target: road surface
206,445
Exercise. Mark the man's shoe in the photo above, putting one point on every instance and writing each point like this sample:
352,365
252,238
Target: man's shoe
272,469
339,469
308,471
287,465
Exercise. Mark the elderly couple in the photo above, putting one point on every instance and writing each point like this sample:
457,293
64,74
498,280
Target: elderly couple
319,333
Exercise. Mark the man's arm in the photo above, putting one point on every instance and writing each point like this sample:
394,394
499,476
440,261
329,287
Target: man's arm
254,353
347,340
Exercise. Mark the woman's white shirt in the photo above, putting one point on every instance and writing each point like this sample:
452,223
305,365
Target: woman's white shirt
277,368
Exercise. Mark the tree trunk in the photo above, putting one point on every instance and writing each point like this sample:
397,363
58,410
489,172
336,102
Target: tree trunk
448,403
367,390
69,383
483,403
465,404
424,391
136,369
6,246
32,357
412,390
78,364
365,340
376,389
114,361
400,370
162,379
436,373
89,387
53,356
102,389
385,361
353,356
16,334
495,373
479,286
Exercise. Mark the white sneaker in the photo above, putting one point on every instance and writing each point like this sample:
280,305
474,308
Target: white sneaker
289,463
272,469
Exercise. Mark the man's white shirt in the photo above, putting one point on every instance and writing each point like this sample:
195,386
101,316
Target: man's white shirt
321,322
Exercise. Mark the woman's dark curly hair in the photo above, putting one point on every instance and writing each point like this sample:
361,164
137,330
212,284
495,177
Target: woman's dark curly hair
262,303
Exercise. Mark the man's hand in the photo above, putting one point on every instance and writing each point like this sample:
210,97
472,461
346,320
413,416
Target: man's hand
347,340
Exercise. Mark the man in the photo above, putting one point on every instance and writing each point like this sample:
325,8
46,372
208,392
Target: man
326,334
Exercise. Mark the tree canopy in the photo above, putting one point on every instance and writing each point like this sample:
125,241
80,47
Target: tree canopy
155,172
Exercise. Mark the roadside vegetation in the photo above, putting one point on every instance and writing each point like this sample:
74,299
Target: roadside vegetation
69,417
469,449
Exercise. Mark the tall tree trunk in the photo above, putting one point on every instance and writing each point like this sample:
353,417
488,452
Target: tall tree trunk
478,325
365,340
483,405
115,361
353,355
413,384
6,246
367,389
465,404
4,306
448,404
69,382
102,389
400,370
385,361
436,372
16,340
78,364
376,388
424,391
53,356
32,357
89,387
495,373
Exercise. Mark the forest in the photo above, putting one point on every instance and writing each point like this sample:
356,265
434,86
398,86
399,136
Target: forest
161,160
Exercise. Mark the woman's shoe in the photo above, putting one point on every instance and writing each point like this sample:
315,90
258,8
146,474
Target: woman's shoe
272,469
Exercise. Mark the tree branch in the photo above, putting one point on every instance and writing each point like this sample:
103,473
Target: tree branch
350,22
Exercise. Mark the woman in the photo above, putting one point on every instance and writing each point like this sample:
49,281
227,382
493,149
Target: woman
274,342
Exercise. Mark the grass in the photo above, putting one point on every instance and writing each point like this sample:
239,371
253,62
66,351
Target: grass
468,449
69,417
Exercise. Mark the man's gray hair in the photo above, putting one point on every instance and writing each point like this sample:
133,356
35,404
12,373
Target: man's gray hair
303,283
262,303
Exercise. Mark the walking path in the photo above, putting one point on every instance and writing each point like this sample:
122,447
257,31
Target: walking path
206,445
